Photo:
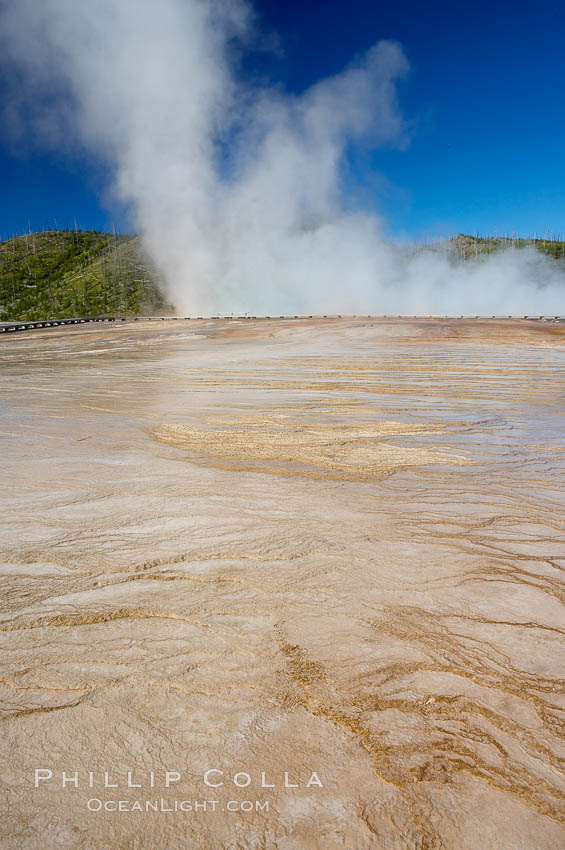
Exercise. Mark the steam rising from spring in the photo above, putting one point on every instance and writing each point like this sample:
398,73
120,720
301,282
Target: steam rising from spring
238,189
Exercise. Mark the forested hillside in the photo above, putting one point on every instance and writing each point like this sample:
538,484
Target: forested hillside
75,273
56,274
468,247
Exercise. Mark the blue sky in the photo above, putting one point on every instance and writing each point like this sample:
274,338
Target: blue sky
484,95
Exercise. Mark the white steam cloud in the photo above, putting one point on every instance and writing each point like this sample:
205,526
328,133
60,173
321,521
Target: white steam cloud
237,189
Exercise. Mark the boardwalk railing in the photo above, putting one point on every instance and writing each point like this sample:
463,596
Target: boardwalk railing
53,323
5,327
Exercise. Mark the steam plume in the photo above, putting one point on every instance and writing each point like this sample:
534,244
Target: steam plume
237,189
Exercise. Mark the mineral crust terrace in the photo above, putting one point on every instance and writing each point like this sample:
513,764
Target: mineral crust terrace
320,562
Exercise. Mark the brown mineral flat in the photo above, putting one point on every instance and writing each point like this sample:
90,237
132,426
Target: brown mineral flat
283,584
